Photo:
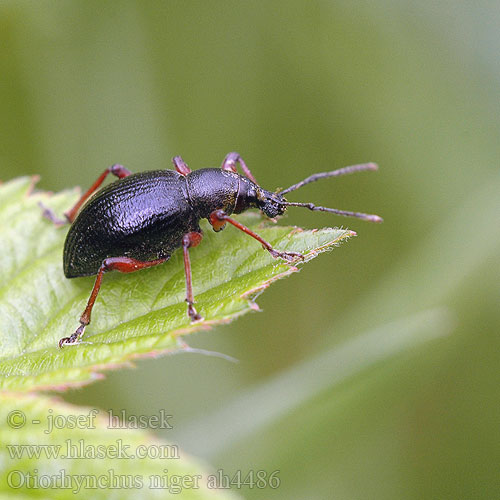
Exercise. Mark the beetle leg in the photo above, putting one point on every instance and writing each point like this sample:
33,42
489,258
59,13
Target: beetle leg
190,240
121,264
48,213
218,217
229,164
180,165
118,170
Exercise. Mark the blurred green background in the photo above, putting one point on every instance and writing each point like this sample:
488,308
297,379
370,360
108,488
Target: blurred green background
374,373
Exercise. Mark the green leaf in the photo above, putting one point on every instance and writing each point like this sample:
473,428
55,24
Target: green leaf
138,314
54,450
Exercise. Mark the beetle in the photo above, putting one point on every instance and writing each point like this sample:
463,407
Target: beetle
139,220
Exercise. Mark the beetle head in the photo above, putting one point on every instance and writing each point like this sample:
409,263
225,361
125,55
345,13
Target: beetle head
251,195
272,204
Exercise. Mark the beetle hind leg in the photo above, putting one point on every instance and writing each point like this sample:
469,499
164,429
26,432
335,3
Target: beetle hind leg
117,170
121,264
49,214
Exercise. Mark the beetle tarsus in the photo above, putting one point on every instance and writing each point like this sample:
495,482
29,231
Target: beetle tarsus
49,214
74,338
193,315
288,256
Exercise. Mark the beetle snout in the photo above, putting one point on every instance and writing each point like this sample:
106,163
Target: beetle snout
272,204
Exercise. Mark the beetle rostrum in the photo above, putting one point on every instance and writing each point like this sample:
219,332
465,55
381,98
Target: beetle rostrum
139,220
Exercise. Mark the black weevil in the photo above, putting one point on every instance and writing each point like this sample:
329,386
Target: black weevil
140,219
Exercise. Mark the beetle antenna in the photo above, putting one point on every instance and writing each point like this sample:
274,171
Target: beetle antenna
345,213
333,173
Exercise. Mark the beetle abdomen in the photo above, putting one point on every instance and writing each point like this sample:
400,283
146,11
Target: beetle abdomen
143,216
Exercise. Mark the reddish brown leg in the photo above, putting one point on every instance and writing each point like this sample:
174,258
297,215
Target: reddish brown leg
118,170
121,264
190,240
229,164
218,218
180,165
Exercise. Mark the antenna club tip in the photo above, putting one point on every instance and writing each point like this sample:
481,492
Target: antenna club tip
375,218
372,166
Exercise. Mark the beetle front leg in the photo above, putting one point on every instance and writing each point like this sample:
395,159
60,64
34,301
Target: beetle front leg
190,240
218,218
121,264
117,170
229,164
